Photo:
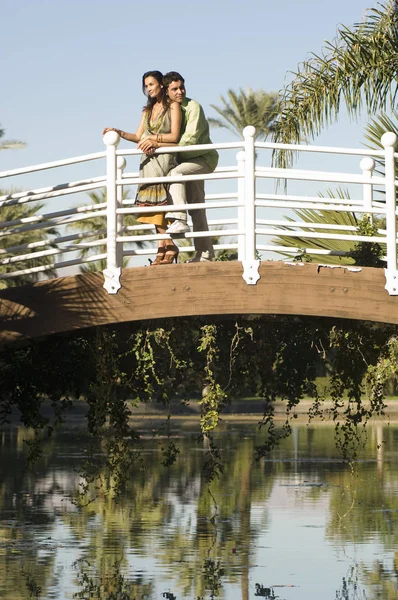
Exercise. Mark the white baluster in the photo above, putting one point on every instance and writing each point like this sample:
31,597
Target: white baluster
250,263
240,157
121,165
112,271
389,140
367,165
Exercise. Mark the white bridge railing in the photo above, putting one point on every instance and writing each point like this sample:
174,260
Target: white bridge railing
71,236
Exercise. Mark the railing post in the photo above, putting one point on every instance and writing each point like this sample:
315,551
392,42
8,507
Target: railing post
250,263
240,157
389,140
367,166
112,271
121,165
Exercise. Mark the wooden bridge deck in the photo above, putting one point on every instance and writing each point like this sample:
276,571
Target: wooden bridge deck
217,288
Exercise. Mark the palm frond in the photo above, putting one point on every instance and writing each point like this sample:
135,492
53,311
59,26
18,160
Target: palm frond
360,67
374,130
257,108
320,217
377,126
97,225
14,213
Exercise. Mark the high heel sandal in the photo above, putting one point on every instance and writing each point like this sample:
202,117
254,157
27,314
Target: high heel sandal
159,256
171,255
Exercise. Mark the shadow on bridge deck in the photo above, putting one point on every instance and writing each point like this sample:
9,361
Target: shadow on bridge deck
217,288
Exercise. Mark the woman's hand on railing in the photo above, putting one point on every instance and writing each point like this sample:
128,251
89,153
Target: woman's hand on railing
118,131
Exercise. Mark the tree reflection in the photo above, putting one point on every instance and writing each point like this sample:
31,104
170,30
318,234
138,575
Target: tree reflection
349,591
112,585
382,581
171,520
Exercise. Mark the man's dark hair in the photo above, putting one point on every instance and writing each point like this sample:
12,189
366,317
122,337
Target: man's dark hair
172,76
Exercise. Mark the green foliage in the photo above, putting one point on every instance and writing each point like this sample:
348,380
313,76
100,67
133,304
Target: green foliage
97,226
342,252
368,254
377,126
13,238
213,572
213,394
374,131
339,249
359,67
241,109
34,590
111,370
112,586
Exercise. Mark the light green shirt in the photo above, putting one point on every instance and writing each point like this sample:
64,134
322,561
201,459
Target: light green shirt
195,130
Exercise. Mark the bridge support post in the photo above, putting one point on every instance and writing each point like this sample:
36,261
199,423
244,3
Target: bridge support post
250,262
113,270
389,141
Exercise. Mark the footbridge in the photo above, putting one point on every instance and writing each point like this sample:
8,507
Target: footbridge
289,246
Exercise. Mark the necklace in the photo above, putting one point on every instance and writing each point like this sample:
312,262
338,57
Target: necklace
155,113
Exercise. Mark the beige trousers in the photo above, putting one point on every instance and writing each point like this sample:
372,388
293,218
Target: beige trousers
191,192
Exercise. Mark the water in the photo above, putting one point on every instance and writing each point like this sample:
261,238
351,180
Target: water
300,525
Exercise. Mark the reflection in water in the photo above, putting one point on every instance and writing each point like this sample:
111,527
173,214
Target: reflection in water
301,524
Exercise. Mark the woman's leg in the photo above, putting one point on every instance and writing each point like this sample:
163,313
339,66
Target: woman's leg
162,245
162,230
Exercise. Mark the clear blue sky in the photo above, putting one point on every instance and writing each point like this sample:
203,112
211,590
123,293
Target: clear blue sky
69,68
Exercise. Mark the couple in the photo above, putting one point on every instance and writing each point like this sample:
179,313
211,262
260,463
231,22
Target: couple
171,119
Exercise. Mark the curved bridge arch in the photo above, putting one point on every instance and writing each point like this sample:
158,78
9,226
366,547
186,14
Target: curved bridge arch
79,301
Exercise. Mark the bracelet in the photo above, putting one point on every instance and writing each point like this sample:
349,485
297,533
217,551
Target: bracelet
159,138
121,133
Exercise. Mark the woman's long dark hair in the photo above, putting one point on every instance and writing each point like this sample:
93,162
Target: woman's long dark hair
151,101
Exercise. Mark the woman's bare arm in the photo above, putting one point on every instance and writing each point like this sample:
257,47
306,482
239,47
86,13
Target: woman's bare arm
130,137
154,141
174,135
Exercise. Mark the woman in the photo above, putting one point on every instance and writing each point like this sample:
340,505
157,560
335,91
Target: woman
159,126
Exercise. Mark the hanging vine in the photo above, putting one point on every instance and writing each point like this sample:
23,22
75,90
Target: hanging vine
177,362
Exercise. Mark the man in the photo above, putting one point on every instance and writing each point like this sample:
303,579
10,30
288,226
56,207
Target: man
194,131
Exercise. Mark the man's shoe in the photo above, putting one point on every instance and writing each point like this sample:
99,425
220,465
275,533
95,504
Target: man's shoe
178,226
201,257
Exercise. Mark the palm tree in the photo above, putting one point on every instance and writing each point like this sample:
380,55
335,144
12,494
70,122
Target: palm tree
10,144
247,108
9,244
344,252
373,132
319,217
97,225
256,108
359,68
